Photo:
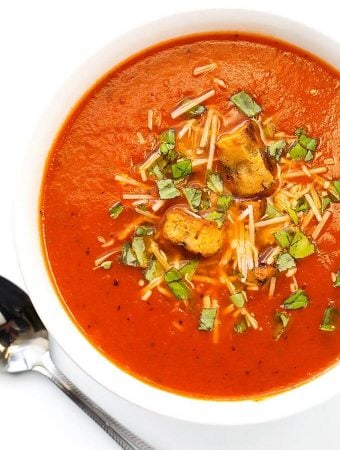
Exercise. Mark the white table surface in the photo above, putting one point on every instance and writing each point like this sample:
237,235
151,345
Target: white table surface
41,42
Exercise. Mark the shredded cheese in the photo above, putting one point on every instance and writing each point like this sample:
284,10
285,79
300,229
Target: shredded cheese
150,119
301,173
220,83
320,225
137,196
147,214
159,255
206,129
272,285
192,103
212,142
313,207
199,70
276,220
125,179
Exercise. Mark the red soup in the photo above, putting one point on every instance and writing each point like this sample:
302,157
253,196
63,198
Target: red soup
190,216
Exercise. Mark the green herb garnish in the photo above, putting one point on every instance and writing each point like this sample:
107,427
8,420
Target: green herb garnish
325,202
216,216
167,189
329,319
115,210
207,319
302,205
181,168
129,257
305,146
335,191
246,104
301,246
144,231
188,269
215,182
272,212
283,319
275,150
223,202
241,326
283,238
293,215
284,262
296,300
194,197
174,280
167,144
154,270
237,299
138,246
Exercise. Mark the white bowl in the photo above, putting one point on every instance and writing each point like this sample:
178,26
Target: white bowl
28,241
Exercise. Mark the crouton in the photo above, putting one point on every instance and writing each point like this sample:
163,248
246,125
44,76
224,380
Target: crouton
263,273
197,235
242,153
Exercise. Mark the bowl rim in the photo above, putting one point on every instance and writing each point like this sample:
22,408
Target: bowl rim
27,237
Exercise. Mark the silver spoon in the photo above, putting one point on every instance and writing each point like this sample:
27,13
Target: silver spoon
24,346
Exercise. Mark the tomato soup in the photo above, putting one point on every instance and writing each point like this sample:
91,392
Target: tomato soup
190,216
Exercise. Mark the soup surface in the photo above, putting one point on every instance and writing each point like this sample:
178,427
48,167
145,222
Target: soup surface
190,216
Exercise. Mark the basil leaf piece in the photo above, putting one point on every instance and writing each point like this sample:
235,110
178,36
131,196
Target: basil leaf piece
188,270
128,256
138,246
207,319
335,191
215,182
237,299
283,238
246,104
275,150
272,212
284,261
297,300
301,246
329,319
167,144
297,152
174,281
326,201
223,202
205,202
241,326
305,146
216,216
302,205
144,231
337,280
308,142
154,270
194,197
181,168
167,189
283,319
115,210
293,215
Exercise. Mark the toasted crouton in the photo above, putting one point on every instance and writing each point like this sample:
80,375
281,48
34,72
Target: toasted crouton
242,153
197,235
263,273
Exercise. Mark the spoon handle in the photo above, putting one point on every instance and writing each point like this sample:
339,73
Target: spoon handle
124,437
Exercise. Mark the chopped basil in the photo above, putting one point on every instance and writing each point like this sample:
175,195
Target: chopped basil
296,300
216,216
205,202
167,189
241,326
283,319
188,270
293,215
138,246
158,168
238,299
145,231
195,111
115,210
194,197
207,319
305,146
283,238
106,265
335,191
215,182
275,150
223,202
284,262
329,319
154,270
337,280
301,246
181,168
246,104
167,144
128,256
326,201
271,211
174,280
302,205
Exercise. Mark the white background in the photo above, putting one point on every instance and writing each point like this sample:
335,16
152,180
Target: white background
41,42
